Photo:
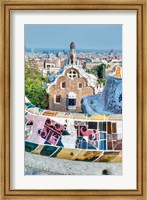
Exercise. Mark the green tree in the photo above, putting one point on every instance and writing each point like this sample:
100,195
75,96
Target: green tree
101,80
92,71
100,70
33,87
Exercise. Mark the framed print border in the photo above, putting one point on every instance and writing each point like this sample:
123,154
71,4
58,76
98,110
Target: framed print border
9,6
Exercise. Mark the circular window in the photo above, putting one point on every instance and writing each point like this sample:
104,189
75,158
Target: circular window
72,74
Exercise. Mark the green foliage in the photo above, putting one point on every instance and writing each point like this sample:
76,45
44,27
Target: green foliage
101,80
45,79
33,87
103,65
98,71
92,71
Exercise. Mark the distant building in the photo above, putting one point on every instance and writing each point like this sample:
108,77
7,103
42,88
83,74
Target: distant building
71,85
52,65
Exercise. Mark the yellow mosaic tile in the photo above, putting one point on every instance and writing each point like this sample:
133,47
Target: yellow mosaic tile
88,155
38,149
67,153
108,157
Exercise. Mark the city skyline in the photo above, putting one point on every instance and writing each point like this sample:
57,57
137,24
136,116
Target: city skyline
85,36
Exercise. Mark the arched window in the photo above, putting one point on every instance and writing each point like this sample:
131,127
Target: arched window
63,85
80,85
57,99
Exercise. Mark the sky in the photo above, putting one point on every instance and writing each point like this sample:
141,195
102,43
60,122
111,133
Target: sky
84,36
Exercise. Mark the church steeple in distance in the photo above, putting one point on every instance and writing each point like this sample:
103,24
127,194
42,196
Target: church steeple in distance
72,53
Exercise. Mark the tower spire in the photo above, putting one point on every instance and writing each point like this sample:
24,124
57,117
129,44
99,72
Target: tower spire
72,57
